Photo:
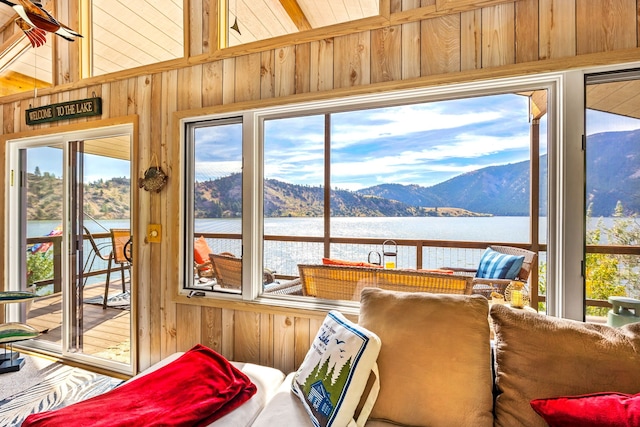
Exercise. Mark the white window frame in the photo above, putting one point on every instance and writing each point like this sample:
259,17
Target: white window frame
566,205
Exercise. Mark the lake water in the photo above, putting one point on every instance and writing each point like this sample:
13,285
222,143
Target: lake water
284,257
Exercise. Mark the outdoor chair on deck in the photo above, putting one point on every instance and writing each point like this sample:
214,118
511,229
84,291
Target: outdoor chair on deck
119,239
228,273
103,251
486,277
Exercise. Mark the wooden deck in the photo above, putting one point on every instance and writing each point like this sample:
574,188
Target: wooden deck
106,332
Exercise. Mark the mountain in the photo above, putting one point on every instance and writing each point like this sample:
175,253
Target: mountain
102,199
219,198
497,190
613,174
614,160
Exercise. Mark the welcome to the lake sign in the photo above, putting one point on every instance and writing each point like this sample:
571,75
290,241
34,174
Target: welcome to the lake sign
64,110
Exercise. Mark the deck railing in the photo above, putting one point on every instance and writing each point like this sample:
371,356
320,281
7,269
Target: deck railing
284,253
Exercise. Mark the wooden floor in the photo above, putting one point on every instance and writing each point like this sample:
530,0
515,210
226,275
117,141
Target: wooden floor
105,332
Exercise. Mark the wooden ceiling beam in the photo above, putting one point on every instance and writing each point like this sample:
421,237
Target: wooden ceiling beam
296,14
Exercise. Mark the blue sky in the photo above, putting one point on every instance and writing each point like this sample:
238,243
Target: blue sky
49,159
422,144
419,144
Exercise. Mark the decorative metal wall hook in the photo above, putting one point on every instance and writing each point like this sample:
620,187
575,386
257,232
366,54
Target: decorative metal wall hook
154,178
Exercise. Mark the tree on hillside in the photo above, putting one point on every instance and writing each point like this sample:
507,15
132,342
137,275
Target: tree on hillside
608,274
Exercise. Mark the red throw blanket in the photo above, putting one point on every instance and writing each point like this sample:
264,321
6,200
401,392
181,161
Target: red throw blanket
194,390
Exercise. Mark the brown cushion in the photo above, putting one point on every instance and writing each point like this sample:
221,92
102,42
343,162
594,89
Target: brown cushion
435,357
539,357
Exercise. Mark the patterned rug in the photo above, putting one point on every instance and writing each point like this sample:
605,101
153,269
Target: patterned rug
61,386
121,300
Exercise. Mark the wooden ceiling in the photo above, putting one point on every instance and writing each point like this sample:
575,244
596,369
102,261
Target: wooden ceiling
621,98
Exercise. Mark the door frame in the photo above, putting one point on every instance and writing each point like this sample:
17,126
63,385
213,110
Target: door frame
8,261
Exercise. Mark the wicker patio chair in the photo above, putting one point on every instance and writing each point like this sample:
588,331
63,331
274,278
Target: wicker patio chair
346,282
228,273
228,270
485,287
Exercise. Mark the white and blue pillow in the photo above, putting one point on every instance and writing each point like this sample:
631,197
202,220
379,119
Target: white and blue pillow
332,379
496,265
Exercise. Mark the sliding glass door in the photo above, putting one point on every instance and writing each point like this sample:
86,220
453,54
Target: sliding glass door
69,195
612,193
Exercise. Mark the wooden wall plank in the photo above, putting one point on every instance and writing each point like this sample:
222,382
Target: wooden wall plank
227,342
302,340
132,96
557,28
266,339
410,50
527,41
229,80
207,28
164,210
119,91
140,218
246,336
190,94
498,35
92,91
212,328
106,100
605,25
352,59
471,40
303,68
284,343
212,84
386,54
197,35
285,71
247,78
321,65
440,51
188,325
267,74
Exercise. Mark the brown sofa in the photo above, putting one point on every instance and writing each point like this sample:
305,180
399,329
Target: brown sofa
437,367
435,362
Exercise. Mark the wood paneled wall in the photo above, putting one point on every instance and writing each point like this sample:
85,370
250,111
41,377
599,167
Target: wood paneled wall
415,43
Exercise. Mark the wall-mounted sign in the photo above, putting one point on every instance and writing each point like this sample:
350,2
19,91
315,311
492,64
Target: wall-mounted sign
64,111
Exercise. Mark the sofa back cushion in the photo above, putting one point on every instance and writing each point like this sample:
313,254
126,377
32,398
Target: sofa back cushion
434,363
540,357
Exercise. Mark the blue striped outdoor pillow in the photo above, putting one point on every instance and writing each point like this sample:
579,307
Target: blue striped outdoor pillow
495,265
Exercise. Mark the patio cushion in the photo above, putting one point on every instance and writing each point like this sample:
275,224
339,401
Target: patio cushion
201,250
540,357
435,357
334,261
495,265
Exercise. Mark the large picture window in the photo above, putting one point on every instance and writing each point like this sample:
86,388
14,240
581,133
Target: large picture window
401,183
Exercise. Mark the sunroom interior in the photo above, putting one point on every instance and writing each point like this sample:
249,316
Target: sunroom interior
167,70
